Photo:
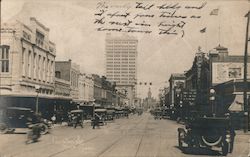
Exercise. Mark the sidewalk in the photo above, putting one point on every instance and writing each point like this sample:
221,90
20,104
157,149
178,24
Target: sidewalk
241,132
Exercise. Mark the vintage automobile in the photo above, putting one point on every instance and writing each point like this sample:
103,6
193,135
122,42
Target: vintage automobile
157,114
118,112
139,111
17,119
110,113
126,112
72,116
207,132
103,115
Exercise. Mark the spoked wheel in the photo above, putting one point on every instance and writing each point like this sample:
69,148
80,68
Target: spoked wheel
44,129
29,137
3,128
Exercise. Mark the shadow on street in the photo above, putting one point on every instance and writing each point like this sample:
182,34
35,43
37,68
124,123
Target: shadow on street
199,151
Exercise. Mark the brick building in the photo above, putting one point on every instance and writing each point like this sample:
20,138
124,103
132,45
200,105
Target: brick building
69,71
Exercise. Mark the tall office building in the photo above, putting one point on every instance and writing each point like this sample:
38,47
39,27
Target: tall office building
121,63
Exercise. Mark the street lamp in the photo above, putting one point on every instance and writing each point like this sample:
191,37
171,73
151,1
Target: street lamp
37,87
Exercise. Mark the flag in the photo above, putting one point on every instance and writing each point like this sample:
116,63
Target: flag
203,30
215,12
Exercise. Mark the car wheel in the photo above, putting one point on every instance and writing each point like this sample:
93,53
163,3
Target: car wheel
225,148
3,128
180,139
44,129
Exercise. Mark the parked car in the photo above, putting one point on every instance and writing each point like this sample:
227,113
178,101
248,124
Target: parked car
110,113
208,132
102,113
17,118
72,116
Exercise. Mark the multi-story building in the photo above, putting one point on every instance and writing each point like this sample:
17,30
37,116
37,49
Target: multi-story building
226,67
27,64
119,99
89,88
121,63
81,85
62,96
97,89
86,88
223,73
216,70
107,92
69,71
176,82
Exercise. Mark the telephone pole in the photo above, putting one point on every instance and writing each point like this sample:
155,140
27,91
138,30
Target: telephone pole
246,108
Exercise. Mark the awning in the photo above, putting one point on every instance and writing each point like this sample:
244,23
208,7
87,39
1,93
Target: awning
100,110
237,105
76,111
110,111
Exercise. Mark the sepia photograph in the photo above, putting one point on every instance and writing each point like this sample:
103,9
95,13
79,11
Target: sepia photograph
124,78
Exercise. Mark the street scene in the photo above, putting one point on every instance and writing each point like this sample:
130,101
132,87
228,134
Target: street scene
124,78
138,136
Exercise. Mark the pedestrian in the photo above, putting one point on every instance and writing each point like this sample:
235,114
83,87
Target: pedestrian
53,118
78,120
96,121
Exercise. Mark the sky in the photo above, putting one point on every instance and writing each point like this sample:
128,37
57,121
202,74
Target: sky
72,29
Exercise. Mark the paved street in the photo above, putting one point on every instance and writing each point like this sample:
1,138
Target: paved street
138,136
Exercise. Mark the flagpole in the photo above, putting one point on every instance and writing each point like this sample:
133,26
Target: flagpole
0,21
206,41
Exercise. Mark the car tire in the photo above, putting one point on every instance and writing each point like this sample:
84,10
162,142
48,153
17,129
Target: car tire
225,148
44,129
180,141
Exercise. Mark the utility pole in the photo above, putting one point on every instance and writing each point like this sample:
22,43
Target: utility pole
0,20
0,35
246,108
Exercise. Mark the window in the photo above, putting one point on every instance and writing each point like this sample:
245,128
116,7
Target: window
26,35
51,71
44,69
39,38
34,66
4,52
58,74
47,79
29,64
39,67
23,62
